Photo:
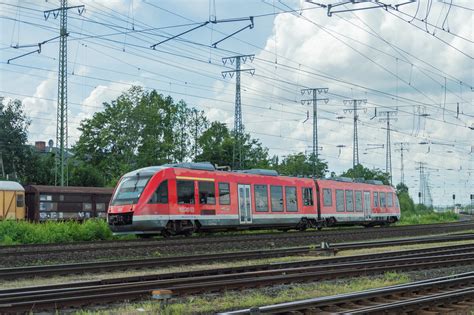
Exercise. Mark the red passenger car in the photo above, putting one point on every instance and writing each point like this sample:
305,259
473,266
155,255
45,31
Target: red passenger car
187,197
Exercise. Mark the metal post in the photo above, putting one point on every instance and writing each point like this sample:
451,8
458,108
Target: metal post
237,159
61,124
61,169
402,149
355,145
388,153
314,101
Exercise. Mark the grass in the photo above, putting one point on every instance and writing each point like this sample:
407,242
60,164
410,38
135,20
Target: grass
251,298
23,232
427,217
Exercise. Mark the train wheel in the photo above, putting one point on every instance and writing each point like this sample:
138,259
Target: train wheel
165,233
330,222
303,225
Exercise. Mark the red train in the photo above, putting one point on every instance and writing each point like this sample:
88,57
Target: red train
183,198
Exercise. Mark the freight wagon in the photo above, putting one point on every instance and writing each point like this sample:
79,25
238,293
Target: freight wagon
66,203
43,203
12,200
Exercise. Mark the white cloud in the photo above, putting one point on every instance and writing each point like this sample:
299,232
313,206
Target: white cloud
41,108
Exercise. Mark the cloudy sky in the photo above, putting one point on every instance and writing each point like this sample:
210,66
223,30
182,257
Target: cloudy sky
416,61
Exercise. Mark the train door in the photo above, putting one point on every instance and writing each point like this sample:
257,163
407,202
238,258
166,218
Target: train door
367,208
245,204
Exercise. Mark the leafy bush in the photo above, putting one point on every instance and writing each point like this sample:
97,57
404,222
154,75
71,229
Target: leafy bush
427,217
406,203
22,232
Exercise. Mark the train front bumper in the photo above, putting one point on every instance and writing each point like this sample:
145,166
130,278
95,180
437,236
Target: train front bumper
128,223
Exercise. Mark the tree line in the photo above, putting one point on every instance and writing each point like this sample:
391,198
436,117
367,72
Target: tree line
138,129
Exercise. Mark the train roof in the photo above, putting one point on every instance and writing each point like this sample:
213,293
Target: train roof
207,166
199,166
10,186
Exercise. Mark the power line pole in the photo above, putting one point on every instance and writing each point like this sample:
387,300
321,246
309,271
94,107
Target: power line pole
354,109
403,147
62,119
314,101
196,127
422,176
388,154
238,126
421,193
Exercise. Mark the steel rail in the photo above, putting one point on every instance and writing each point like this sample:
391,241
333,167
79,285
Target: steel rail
404,297
114,265
49,298
457,249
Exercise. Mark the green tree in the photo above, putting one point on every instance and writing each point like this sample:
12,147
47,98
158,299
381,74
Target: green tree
406,202
359,171
301,164
138,129
217,145
40,169
14,152
82,174
199,124
402,188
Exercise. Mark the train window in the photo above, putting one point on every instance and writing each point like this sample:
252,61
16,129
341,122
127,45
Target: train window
349,200
327,197
276,193
207,193
185,191
261,198
291,199
358,200
161,194
376,199
397,204
389,200
224,194
129,190
340,200
383,204
20,201
308,197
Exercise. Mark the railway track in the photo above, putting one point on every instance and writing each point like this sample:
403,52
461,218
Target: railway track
114,265
27,254
444,295
81,294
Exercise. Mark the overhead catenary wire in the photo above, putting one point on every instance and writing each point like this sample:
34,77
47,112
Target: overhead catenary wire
311,75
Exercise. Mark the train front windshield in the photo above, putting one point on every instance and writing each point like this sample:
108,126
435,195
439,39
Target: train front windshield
129,190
